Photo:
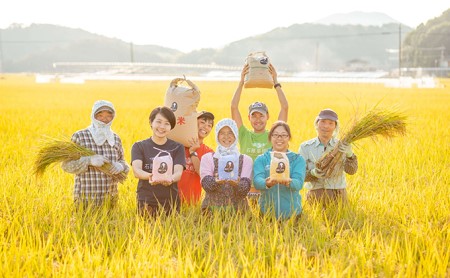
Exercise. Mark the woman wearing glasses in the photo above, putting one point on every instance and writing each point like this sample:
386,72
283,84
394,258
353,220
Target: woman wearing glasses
280,195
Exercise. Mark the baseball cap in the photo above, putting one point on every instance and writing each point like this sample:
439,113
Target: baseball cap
328,114
205,114
258,107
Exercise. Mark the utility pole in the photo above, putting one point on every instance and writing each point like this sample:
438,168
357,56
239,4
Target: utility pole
400,50
1,52
317,56
131,53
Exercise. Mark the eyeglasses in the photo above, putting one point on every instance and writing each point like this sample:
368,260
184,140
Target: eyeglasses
278,136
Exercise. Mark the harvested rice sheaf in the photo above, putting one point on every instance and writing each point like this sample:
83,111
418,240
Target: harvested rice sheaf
57,151
376,122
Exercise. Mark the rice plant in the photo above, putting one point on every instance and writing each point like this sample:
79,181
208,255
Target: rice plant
59,150
396,224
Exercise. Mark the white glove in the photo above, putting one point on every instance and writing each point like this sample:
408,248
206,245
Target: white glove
317,173
116,168
97,160
346,149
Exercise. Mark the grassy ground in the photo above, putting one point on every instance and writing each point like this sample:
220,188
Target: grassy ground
396,224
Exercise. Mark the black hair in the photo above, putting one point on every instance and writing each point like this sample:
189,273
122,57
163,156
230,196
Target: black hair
207,118
166,113
283,124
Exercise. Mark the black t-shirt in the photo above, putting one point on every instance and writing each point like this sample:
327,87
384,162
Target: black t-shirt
145,151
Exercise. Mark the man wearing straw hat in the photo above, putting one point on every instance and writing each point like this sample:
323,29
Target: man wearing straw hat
255,141
321,189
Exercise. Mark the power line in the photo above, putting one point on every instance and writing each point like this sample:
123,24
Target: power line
384,33
40,41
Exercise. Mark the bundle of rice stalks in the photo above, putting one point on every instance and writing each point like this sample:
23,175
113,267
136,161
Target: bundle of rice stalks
376,122
56,150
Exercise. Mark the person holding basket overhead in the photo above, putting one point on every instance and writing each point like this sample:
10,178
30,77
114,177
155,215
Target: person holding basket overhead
255,141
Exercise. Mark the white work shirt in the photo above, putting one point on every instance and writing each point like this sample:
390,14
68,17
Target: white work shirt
311,151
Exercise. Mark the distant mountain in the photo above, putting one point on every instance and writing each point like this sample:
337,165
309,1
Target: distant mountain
299,47
358,18
313,47
429,44
38,46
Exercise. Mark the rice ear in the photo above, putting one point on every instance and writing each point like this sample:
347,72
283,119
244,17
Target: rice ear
54,151
376,122
60,150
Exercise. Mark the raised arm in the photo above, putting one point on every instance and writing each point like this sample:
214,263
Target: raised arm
283,116
235,114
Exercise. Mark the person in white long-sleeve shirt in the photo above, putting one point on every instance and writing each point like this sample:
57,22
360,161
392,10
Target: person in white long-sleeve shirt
320,188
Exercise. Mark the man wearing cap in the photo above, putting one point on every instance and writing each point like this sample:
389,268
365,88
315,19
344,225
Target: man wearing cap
323,189
189,187
256,141
93,186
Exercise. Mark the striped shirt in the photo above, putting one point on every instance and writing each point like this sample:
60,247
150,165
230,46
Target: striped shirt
90,183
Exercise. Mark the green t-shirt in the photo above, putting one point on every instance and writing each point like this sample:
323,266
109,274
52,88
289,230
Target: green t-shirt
253,144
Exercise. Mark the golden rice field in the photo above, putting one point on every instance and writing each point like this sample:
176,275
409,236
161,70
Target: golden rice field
397,223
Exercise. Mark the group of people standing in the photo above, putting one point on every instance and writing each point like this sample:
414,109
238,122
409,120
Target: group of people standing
238,172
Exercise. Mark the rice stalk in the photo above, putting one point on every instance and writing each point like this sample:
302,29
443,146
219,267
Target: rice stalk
376,122
60,150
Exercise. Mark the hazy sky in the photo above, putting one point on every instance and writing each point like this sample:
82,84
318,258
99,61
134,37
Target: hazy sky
187,25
